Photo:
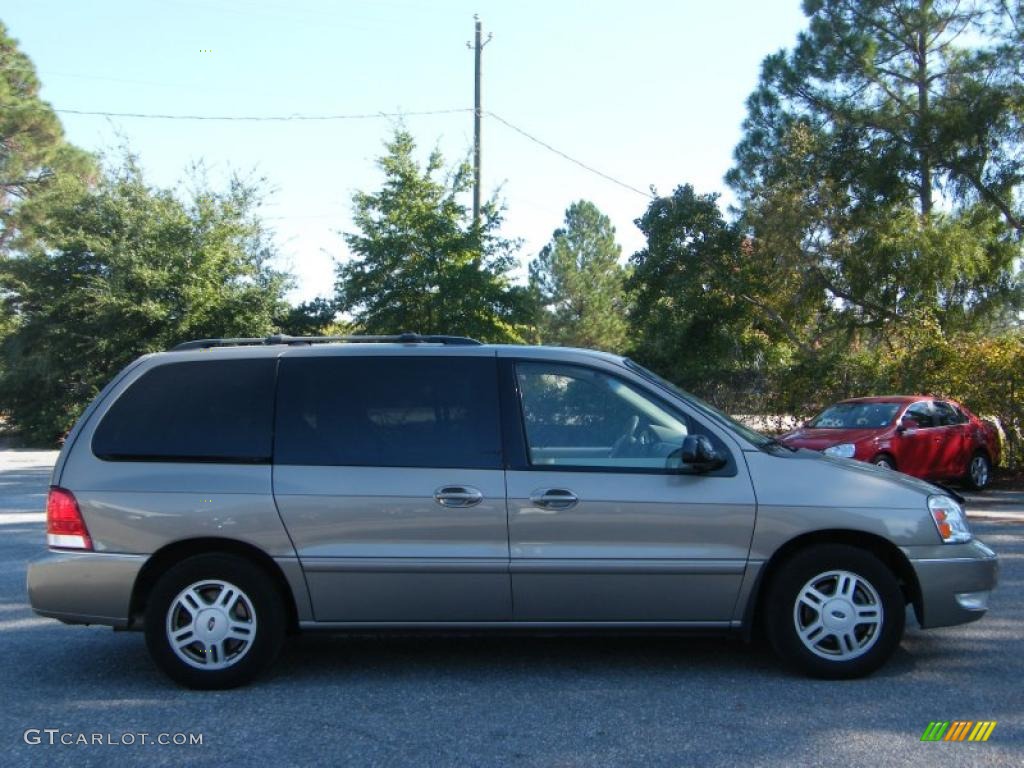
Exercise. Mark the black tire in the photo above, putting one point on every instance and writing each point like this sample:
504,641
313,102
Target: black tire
259,609
884,460
978,477
872,642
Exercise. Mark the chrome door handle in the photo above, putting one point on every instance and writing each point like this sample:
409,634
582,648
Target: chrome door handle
458,496
554,498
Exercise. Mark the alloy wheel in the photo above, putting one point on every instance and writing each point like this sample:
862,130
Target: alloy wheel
211,624
979,471
838,615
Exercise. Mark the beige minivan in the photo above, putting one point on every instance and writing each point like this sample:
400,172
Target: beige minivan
232,491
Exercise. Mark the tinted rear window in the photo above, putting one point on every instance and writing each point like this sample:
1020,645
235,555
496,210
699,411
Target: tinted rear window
388,412
218,410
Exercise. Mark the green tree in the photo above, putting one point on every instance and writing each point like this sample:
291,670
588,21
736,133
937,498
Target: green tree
902,89
861,170
419,263
694,297
309,318
33,152
831,267
121,269
579,283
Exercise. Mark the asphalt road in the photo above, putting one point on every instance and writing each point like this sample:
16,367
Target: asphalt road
482,701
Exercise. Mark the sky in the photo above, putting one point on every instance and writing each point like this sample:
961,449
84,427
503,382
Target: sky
649,93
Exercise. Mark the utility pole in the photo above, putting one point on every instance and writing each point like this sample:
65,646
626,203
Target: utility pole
478,48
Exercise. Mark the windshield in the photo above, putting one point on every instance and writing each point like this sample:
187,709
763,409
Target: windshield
856,416
746,432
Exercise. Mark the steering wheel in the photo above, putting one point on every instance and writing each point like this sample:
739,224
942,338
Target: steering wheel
634,441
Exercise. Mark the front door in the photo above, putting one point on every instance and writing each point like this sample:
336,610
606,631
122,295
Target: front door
919,443
601,529
388,476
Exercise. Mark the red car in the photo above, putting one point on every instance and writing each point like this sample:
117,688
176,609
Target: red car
922,436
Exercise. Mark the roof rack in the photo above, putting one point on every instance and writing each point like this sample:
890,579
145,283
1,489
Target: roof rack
401,338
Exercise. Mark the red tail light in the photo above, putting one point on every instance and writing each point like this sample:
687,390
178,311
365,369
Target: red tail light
65,528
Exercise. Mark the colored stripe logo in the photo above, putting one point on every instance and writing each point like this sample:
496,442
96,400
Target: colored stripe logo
958,730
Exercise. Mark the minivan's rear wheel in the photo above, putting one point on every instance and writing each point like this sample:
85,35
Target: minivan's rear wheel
835,611
979,472
214,621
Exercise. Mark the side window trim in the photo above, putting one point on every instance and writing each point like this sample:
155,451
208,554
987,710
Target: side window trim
513,432
517,454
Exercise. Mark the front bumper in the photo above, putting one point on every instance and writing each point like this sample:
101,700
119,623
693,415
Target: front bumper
955,582
84,587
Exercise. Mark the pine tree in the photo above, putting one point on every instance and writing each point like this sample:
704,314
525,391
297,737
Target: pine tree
579,283
418,261
33,151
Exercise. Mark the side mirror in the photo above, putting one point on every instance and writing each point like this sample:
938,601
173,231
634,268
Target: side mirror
697,454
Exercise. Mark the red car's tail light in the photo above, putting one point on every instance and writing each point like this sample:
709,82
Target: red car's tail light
65,528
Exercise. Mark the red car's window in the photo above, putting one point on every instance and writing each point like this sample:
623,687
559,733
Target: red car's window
947,415
922,414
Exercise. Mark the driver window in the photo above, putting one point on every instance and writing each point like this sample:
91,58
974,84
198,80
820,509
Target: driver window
579,417
922,414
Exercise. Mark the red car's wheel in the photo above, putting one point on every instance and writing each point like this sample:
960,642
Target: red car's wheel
979,472
884,460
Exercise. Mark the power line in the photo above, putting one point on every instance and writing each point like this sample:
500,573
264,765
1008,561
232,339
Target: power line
354,116
262,118
244,118
573,160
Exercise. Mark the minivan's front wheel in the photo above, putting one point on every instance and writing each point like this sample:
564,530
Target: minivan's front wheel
835,611
214,621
